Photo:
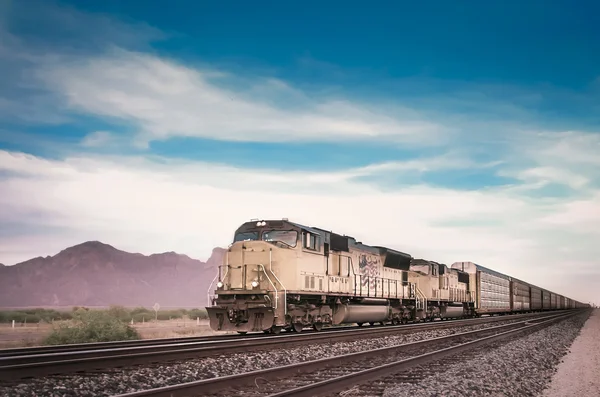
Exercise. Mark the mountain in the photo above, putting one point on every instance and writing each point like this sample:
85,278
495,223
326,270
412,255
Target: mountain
98,274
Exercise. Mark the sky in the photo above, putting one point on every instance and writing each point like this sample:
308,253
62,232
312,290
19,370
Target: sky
453,131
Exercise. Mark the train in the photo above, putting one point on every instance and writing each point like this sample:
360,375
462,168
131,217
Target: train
281,275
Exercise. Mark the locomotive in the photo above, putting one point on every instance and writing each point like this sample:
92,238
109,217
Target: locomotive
279,274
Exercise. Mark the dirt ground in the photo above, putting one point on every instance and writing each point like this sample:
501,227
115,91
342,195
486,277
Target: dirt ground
33,334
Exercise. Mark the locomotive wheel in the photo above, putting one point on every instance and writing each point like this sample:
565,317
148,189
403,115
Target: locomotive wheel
359,324
371,323
297,327
275,330
317,326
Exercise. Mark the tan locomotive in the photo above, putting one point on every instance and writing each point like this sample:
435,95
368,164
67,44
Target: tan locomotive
279,275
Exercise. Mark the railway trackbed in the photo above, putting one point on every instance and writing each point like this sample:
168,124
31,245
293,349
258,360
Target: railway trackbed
14,367
81,347
344,372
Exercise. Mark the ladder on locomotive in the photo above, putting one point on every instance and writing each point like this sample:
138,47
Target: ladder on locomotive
421,299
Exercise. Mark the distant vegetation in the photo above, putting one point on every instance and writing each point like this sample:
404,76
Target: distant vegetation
33,316
83,325
89,326
138,314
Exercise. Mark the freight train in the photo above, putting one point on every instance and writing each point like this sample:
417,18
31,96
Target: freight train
279,274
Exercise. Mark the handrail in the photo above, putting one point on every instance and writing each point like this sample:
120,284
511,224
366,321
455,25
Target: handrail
218,272
274,287
209,288
358,278
351,265
424,298
279,281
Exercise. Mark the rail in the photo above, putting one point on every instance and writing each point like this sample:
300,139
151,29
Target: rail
344,371
57,360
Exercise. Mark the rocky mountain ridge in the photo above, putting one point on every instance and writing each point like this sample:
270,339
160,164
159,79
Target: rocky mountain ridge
97,274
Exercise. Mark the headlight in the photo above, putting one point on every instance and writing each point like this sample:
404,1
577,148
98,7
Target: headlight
254,284
219,285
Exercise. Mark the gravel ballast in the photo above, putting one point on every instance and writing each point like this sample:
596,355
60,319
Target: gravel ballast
522,367
133,379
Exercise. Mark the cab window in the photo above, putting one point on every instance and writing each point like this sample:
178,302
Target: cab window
311,241
245,236
287,237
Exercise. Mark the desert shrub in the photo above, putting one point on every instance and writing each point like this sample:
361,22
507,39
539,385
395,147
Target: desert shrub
139,317
90,326
141,310
19,316
168,314
119,312
195,313
33,315
32,318
64,316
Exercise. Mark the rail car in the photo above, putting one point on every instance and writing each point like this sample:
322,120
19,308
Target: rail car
279,274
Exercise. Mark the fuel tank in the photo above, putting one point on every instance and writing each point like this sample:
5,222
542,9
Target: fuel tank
360,313
452,311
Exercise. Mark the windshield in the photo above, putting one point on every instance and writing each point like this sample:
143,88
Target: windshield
288,237
245,236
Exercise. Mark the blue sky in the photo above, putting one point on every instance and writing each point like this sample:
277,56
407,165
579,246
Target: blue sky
472,128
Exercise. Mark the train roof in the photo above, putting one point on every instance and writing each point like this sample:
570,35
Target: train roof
479,267
310,229
377,249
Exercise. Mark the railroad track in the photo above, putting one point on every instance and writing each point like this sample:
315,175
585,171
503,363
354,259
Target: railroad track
104,356
22,351
338,373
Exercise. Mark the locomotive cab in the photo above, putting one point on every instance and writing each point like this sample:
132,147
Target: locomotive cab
259,269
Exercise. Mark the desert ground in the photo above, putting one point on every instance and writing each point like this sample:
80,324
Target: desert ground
33,334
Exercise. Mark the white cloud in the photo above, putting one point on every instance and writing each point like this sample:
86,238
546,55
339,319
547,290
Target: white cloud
165,99
570,147
152,204
98,138
565,158
545,175
582,215
143,205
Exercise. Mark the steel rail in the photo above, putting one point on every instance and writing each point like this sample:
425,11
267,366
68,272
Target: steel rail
20,351
223,384
344,382
36,365
35,350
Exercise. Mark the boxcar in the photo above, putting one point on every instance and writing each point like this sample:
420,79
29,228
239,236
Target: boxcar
493,291
545,299
520,296
536,297
560,304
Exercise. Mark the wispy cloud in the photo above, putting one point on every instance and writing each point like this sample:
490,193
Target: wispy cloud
104,85
158,204
166,99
